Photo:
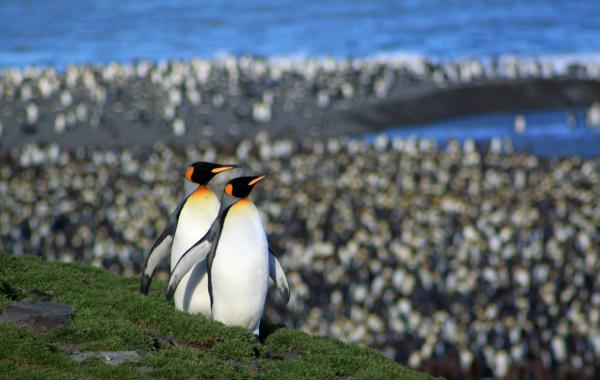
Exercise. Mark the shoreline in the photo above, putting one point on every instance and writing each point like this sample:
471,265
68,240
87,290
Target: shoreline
228,100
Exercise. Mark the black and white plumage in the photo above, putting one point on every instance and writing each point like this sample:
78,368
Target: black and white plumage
191,220
238,259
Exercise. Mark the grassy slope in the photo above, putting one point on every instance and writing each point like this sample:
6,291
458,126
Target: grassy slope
111,315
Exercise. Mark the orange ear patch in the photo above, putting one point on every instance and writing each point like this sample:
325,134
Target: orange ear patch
229,189
189,172
221,169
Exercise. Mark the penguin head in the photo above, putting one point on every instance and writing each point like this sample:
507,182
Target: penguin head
242,186
202,172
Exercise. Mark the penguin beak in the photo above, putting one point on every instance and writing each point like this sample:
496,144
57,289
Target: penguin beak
224,168
257,179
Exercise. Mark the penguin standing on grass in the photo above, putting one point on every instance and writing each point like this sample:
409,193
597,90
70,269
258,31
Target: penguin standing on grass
237,254
190,221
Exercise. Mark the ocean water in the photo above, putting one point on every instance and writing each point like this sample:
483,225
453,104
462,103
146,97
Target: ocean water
61,32
547,133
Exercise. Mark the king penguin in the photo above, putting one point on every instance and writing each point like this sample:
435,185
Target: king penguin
236,251
190,221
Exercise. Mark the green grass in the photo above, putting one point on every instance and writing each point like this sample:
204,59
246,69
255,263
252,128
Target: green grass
111,315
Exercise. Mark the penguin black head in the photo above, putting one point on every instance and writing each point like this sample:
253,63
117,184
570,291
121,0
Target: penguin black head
202,172
242,186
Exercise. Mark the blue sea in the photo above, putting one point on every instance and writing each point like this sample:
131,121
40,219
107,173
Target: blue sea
61,32
547,133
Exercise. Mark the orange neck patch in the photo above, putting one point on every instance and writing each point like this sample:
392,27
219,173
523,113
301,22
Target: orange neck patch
201,191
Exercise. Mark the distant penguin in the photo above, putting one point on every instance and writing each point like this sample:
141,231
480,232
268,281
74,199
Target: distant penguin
238,259
593,116
520,124
189,222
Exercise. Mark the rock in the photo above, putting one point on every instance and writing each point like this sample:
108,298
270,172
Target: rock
39,317
164,340
109,357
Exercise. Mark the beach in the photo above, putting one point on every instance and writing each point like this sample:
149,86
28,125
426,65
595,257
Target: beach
228,99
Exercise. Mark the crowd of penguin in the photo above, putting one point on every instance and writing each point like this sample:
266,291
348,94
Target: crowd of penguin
477,257
226,96
473,261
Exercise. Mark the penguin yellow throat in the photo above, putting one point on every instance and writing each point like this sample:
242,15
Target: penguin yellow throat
243,202
201,192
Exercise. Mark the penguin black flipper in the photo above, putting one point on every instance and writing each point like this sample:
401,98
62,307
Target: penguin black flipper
218,224
193,256
277,273
160,249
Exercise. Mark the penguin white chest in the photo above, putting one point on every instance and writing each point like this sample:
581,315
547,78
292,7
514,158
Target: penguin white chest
240,268
195,219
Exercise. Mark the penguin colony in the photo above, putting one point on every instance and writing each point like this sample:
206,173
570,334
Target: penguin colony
478,258
220,257
171,100
407,280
